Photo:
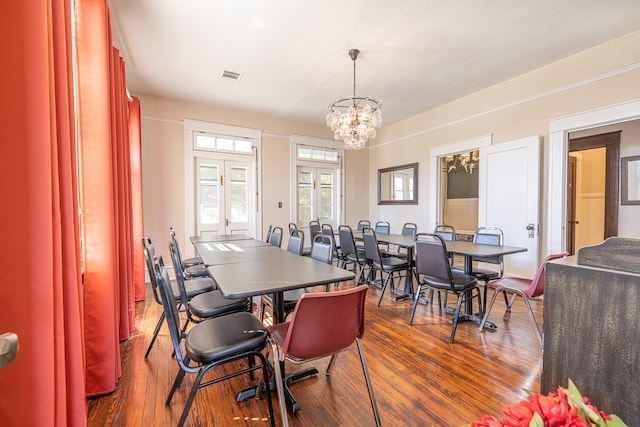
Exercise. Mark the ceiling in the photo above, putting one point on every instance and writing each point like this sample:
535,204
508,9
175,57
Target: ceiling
293,54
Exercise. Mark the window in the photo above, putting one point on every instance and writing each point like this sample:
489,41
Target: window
208,142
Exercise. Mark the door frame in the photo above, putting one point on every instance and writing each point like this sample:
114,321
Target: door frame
611,142
556,161
191,127
435,179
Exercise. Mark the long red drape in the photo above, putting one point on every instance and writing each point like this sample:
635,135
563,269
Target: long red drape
107,196
40,252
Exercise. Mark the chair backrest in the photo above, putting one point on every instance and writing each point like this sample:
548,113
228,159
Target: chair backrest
325,323
409,229
292,227
371,249
276,237
489,236
322,248
296,242
363,223
177,271
267,237
431,257
383,227
537,284
447,232
175,243
347,242
327,230
149,257
314,229
170,307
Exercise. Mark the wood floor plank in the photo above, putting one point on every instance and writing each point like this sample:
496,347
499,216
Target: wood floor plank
418,376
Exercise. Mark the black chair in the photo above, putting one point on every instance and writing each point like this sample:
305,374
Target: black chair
267,236
192,287
352,254
314,229
363,223
321,251
212,343
322,325
434,271
383,227
447,232
389,265
327,229
482,269
292,227
296,242
191,269
187,262
276,237
205,305
408,229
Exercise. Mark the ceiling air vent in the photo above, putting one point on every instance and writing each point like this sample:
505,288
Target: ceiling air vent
231,75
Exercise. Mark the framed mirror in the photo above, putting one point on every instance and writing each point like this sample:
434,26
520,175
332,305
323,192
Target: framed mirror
398,185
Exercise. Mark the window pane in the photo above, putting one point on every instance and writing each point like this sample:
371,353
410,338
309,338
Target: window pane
326,196
243,145
304,213
326,213
224,144
205,141
317,154
304,178
304,153
331,156
209,214
238,175
208,173
326,179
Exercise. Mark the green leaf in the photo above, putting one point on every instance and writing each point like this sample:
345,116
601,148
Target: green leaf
536,420
615,421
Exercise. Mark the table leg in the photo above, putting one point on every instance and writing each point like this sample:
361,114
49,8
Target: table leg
408,282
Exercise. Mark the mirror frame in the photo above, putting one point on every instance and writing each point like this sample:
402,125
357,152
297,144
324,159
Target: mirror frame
413,201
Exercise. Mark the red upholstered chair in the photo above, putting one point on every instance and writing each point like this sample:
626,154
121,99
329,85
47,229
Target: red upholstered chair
526,288
323,324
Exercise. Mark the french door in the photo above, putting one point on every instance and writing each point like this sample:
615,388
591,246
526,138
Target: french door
317,195
223,197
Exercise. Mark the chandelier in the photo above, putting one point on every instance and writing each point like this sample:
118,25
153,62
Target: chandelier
464,161
354,119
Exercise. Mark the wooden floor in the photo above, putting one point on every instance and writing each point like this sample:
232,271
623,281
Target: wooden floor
419,378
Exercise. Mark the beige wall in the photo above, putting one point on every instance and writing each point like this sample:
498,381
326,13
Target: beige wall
602,76
163,164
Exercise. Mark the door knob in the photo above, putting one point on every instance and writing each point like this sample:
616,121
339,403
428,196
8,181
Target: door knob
530,229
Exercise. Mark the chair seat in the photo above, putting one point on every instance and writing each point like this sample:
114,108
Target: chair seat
189,262
359,259
485,274
199,270
213,304
461,282
225,336
392,263
195,287
511,283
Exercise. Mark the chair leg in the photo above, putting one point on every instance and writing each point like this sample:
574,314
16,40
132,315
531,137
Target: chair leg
331,361
488,308
277,378
192,395
384,286
533,317
507,312
456,316
155,334
416,297
367,378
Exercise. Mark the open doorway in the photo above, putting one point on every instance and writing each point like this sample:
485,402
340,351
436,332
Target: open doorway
592,189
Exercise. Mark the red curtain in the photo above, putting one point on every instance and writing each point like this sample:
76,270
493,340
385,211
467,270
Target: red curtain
40,252
135,155
107,196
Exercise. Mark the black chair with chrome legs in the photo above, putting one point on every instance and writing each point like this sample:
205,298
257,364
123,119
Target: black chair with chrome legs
434,271
210,344
389,265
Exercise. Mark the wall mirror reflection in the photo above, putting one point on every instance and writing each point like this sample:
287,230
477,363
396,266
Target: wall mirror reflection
398,185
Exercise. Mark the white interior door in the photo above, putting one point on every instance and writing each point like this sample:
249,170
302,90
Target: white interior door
317,196
509,199
223,197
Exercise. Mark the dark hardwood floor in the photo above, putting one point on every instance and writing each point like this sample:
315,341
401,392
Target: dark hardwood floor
419,378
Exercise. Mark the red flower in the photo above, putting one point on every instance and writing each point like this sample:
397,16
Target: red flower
518,415
487,421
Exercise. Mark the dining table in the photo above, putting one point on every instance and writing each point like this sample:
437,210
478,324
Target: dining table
258,269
